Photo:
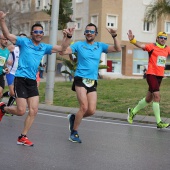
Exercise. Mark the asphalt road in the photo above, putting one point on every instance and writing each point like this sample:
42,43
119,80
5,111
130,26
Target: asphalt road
106,145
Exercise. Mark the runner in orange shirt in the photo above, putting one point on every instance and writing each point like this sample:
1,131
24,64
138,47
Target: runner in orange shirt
158,53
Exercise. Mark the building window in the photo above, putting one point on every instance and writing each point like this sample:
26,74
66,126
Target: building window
167,67
111,21
140,59
147,26
45,4
114,62
94,20
42,4
38,4
25,6
78,24
167,27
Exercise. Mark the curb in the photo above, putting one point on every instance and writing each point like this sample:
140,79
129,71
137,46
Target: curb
98,114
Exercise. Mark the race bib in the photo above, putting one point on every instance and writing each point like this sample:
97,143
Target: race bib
2,61
161,61
88,82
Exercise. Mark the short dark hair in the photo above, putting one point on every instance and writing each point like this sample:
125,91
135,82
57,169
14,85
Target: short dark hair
36,25
22,34
90,25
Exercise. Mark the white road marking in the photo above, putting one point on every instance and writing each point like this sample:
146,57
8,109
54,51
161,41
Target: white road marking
103,121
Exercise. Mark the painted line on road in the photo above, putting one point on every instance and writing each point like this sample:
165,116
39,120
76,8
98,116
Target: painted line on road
103,121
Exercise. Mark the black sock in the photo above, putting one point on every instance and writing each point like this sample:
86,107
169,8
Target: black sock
6,94
22,136
73,131
11,101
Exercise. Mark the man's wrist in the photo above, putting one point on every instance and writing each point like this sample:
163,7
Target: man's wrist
69,36
113,36
133,41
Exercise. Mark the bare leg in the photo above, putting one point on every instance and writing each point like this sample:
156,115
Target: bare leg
87,105
33,109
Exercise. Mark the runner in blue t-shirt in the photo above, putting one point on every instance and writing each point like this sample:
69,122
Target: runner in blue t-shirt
86,74
26,92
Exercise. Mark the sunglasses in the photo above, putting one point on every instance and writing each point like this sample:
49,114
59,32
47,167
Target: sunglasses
165,38
90,31
37,32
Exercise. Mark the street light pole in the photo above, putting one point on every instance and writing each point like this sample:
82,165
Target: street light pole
49,93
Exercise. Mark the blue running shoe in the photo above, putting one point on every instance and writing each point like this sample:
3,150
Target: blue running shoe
74,137
71,118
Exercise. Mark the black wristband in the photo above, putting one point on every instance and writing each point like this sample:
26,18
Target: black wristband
69,36
113,36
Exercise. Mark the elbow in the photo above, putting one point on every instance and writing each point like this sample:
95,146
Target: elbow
118,49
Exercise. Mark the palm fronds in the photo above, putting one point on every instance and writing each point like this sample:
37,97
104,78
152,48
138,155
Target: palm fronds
156,10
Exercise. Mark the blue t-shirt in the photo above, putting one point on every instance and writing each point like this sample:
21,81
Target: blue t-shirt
30,57
88,57
4,54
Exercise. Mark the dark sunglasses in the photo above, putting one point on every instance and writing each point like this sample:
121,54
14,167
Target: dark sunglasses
165,38
37,32
89,31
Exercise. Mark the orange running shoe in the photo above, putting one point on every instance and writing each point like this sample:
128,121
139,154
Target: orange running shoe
23,140
2,105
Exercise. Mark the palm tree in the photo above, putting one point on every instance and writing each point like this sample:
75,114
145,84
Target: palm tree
156,10
65,12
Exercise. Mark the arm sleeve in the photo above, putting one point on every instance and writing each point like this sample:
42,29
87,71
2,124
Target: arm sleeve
48,49
74,47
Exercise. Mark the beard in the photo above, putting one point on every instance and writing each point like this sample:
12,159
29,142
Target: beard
89,40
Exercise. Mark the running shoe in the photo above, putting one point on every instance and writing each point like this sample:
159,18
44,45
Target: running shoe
23,140
71,118
8,114
130,116
74,137
2,105
162,125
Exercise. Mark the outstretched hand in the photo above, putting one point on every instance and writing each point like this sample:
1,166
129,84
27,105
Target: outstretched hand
68,31
3,15
130,35
112,31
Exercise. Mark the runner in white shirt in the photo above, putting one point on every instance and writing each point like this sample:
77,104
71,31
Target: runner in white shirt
12,65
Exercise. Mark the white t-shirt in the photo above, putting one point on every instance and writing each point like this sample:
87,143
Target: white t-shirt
14,57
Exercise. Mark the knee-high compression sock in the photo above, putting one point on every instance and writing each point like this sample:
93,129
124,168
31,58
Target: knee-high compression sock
11,101
142,103
6,94
156,110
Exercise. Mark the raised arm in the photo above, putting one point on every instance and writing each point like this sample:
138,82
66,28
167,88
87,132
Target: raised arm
116,47
4,28
134,41
67,35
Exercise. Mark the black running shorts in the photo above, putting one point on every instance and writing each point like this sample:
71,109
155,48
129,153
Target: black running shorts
2,81
78,81
25,88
